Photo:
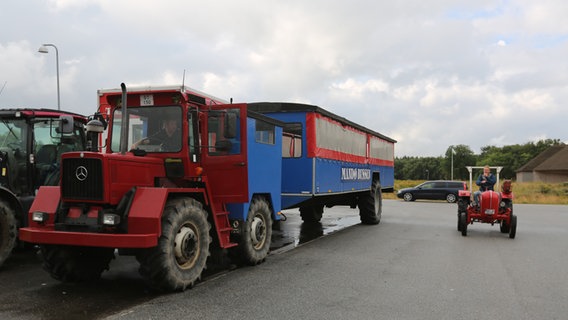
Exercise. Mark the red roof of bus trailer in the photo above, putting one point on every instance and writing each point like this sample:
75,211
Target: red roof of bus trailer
267,107
48,113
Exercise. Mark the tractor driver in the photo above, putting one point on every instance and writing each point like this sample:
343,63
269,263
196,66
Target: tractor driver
169,137
485,181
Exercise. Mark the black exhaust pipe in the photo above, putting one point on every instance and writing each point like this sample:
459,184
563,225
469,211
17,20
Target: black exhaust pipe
124,122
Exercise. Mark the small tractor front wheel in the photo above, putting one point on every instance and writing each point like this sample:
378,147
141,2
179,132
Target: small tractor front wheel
74,263
8,232
462,223
180,257
513,230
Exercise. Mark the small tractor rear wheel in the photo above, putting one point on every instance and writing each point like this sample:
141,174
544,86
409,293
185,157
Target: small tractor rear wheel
463,223
513,230
311,214
371,205
74,263
8,227
180,257
257,234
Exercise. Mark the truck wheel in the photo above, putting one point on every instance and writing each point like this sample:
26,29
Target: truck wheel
463,223
311,214
178,260
257,234
513,230
7,231
76,264
371,205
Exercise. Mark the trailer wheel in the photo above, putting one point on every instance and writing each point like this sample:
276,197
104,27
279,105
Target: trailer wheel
371,205
178,260
76,264
257,234
513,230
311,214
463,223
7,231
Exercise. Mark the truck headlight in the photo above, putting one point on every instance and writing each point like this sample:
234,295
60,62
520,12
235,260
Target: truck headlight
39,217
111,219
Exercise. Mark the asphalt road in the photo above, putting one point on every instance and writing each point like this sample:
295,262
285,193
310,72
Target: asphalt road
413,265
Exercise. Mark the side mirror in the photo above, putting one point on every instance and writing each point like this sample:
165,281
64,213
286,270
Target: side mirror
66,124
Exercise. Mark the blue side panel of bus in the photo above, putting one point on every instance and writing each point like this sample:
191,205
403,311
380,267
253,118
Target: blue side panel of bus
264,167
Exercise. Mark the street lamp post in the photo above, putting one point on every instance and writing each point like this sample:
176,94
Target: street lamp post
452,173
43,49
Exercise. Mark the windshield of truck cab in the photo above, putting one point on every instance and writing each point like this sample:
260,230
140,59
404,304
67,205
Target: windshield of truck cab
152,129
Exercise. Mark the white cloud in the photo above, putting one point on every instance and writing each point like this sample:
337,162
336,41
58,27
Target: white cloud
428,74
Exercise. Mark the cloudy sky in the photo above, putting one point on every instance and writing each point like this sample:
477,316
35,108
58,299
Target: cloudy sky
429,74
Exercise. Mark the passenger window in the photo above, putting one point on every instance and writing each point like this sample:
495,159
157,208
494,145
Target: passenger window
292,140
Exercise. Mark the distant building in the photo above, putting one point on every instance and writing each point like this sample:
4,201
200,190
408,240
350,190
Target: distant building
549,166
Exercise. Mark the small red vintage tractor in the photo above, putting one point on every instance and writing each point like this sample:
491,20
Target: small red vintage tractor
493,207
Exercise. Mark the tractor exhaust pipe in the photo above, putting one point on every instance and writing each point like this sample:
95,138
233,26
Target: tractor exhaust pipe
124,122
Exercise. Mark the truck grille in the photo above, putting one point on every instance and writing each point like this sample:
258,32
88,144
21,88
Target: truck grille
82,179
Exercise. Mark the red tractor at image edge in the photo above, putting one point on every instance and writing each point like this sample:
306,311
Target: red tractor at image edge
493,207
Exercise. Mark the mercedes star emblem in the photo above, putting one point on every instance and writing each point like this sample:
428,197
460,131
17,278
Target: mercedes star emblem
81,173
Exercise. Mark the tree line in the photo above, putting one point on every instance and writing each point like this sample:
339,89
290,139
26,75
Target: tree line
510,157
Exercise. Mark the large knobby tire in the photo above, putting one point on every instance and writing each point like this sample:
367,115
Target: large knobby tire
257,234
513,230
371,205
180,257
8,231
74,263
463,223
311,214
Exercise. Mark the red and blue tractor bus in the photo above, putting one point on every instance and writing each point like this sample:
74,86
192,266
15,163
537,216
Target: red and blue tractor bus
218,182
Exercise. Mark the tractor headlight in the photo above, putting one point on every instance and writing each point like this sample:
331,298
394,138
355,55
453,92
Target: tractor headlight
111,219
502,204
39,217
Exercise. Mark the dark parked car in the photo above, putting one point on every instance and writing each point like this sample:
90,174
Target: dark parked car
433,190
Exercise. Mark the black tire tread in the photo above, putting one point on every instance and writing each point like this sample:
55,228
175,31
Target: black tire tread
158,265
8,231
74,263
367,205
